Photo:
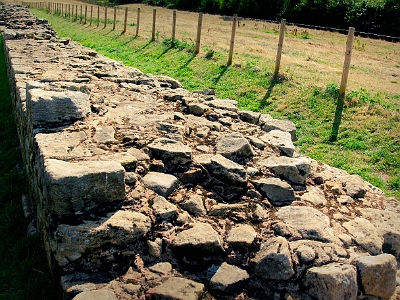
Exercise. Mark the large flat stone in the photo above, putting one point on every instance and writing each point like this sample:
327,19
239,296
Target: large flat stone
161,183
228,278
365,235
387,224
277,191
294,170
227,170
201,238
117,228
280,139
309,222
176,288
79,186
50,108
233,145
171,152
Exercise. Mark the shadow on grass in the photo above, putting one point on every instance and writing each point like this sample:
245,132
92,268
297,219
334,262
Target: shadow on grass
275,79
222,71
188,62
165,51
338,119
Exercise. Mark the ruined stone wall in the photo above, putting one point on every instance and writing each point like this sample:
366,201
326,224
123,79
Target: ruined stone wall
142,189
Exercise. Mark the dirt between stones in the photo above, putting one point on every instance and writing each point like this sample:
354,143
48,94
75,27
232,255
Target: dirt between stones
144,190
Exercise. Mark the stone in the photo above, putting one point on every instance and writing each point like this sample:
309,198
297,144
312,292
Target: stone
201,239
227,170
269,123
315,196
161,183
365,235
280,139
377,274
241,236
278,192
51,108
192,175
171,152
131,178
163,268
104,135
164,210
198,109
294,170
332,281
354,186
249,116
228,278
128,161
194,205
62,145
309,222
224,104
203,132
171,82
79,186
305,254
176,288
273,261
259,214
256,142
139,154
117,228
233,145
155,247
387,224
225,209
102,294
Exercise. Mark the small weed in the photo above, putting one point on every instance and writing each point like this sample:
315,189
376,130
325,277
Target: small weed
359,45
360,98
132,24
209,54
180,45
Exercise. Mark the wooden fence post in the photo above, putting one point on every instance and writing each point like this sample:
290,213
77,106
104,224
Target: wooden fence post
173,26
125,19
199,23
153,32
280,45
105,16
340,101
84,22
69,11
138,21
347,60
76,12
91,15
80,16
98,15
115,17
232,40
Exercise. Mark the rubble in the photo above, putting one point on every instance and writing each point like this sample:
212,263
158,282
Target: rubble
144,190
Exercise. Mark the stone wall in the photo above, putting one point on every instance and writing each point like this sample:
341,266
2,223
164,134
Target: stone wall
142,189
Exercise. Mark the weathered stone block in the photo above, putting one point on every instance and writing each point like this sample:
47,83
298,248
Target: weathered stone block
79,186
332,282
50,108
378,274
176,288
273,261
118,228
295,170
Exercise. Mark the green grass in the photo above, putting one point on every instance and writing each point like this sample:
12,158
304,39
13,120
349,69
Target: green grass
368,142
24,270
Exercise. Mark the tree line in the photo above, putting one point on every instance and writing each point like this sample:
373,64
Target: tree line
374,16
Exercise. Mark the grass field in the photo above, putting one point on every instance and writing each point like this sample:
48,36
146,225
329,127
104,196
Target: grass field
24,270
306,91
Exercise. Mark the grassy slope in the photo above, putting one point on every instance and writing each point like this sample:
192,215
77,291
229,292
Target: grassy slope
23,265
368,142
